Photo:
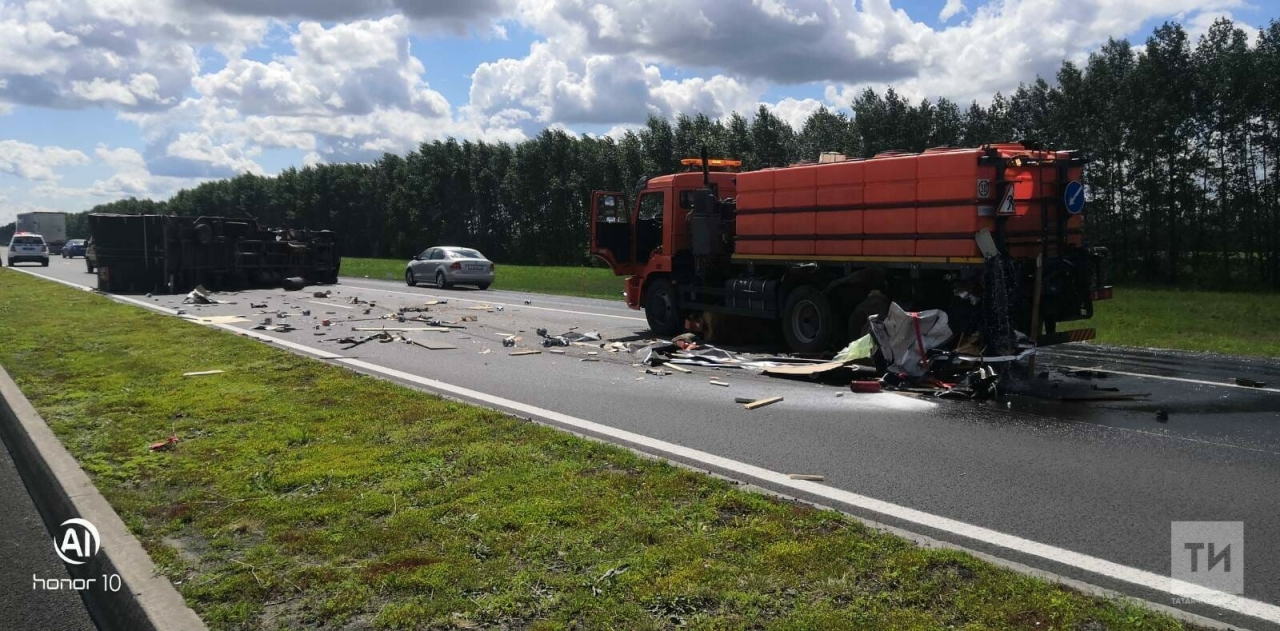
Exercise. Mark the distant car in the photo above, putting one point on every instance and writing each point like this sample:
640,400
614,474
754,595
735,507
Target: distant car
448,265
74,248
90,256
27,247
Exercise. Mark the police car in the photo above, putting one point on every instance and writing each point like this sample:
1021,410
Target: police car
28,247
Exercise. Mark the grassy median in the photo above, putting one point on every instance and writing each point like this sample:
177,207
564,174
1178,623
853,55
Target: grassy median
588,282
305,495
1231,323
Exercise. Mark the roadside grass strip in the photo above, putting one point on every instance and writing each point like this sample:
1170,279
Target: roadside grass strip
302,494
583,282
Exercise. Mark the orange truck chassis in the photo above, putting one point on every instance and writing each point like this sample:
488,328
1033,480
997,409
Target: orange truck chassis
819,247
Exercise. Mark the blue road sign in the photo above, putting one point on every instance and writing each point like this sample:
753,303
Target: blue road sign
1074,197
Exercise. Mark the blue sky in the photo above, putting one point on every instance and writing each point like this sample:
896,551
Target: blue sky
143,97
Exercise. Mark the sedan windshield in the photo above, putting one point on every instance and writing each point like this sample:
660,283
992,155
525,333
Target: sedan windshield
28,241
465,253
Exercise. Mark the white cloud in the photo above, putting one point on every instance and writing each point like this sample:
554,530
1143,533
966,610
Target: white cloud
951,9
36,163
795,112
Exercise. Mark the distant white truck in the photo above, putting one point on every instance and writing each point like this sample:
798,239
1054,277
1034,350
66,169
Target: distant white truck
51,226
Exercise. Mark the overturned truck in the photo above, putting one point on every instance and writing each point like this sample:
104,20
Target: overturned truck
170,254
993,236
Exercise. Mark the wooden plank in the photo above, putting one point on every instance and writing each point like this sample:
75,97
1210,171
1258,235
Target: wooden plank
806,476
718,383
759,403
434,346
802,369
677,368
203,373
527,352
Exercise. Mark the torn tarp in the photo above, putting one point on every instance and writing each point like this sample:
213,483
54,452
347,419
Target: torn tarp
905,338
201,296
565,339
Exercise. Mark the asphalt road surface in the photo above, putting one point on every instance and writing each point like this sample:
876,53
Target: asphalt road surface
1103,479
26,551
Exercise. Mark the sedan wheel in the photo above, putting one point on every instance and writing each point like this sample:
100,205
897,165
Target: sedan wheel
408,278
440,281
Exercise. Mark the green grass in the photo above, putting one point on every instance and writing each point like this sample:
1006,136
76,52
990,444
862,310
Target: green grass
589,282
1231,323
303,494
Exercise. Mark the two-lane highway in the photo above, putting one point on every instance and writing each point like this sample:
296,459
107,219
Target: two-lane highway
1086,491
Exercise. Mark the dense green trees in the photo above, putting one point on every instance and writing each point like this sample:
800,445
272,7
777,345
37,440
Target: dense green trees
1184,139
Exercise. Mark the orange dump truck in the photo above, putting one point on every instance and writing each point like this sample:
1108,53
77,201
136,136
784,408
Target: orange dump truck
820,247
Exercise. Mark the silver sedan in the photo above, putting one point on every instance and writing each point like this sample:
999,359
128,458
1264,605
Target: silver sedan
449,265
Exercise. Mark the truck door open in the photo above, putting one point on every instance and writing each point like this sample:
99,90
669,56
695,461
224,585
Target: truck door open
611,230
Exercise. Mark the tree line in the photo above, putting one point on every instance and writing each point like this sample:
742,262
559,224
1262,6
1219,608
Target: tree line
1183,183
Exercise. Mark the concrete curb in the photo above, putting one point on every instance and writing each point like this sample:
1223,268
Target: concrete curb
61,491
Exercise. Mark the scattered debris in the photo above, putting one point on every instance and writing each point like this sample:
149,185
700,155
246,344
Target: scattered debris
680,369
165,444
257,305
567,338
486,351
867,386
200,296
430,345
530,351
294,283
722,384
861,348
656,371
528,302
203,373
1162,416
1249,383
905,338
806,476
807,370
558,351
759,403
321,294
437,329
509,341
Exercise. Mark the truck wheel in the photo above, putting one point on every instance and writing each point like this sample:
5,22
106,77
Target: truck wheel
807,320
660,308
874,304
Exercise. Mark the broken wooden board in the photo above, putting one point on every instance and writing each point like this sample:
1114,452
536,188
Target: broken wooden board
480,308
433,346
556,351
718,383
527,352
202,373
226,319
803,370
677,368
759,403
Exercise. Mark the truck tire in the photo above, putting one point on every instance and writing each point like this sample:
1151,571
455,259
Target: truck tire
660,308
807,320
874,304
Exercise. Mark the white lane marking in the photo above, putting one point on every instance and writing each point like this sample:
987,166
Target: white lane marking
1223,384
1102,567
328,304
452,298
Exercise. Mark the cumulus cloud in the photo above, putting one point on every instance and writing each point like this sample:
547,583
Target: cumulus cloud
40,164
951,9
125,54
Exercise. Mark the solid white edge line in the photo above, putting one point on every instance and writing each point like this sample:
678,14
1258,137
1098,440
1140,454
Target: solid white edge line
496,304
1202,382
1150,580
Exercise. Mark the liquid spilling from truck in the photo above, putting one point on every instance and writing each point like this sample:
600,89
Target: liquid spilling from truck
170,254
818,248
